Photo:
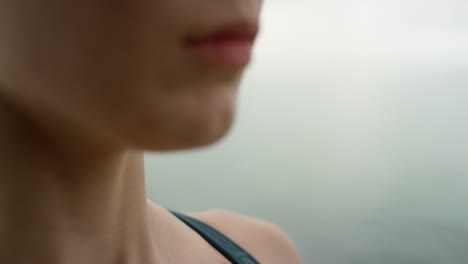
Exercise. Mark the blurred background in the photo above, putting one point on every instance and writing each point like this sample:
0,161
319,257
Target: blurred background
352,134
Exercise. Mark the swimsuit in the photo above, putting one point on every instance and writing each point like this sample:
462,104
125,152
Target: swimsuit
220,242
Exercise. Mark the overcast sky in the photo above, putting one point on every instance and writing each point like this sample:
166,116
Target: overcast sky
352,121
375,29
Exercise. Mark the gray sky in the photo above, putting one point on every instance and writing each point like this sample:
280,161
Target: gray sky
375,29
352,133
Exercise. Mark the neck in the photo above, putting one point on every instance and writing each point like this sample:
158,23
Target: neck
63,209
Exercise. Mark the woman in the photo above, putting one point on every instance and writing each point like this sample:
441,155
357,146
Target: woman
86,86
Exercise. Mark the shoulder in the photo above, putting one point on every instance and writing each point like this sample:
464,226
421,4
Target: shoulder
264,240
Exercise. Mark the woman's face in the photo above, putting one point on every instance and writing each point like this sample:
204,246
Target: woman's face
125,68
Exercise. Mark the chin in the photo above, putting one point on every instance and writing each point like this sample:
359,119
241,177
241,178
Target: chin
183,130
192,136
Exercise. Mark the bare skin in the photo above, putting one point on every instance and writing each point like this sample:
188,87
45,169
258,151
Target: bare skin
86,87
62,208
59,208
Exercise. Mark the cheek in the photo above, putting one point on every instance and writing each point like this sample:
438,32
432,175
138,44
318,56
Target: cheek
73,43
71,55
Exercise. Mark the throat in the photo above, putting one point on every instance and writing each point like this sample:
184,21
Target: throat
83,212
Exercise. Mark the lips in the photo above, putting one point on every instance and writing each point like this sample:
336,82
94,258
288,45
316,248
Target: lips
228,47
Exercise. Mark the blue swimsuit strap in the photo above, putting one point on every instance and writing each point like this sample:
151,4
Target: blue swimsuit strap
220,242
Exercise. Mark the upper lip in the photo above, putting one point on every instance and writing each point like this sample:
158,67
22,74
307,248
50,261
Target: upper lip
241,30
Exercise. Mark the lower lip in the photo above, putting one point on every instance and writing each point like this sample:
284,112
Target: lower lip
232,53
